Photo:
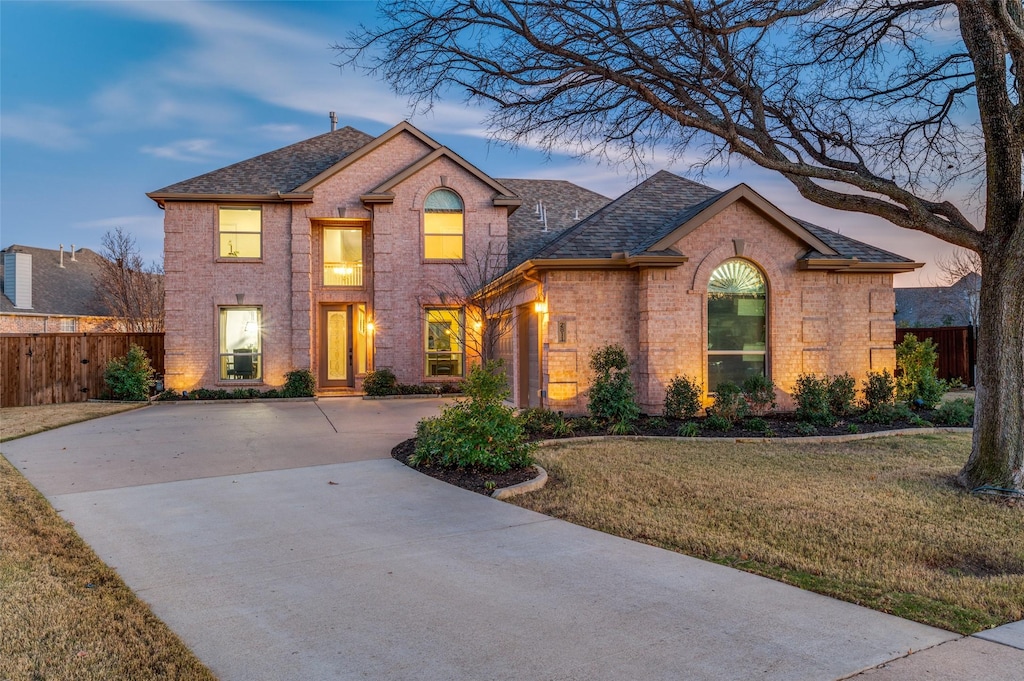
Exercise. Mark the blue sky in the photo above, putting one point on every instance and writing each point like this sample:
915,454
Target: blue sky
102,102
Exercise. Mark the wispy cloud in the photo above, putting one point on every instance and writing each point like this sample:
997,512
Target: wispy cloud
191,151
41,127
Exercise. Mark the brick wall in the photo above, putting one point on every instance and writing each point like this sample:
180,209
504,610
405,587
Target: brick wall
818,322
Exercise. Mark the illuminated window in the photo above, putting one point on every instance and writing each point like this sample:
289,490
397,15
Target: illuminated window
240,232
343,257
737,323
442,226
444,341
241,347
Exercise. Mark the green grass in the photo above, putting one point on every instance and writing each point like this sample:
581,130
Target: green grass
876,522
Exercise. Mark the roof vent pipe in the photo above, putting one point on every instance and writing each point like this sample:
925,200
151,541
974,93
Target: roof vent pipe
73,259
62,255
334,121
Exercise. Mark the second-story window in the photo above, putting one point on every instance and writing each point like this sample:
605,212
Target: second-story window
442,225
240,232
343,257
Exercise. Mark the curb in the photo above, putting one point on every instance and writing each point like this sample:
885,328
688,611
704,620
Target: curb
266,400
523,487
811,439
412,397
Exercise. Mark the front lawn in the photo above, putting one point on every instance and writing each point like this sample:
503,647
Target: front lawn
18,422
877,522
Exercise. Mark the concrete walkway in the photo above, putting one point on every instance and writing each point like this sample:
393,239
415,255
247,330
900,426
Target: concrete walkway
280,549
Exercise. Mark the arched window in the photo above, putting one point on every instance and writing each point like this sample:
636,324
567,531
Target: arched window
442,225
737,323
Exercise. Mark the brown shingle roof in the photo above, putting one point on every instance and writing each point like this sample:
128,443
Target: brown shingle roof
565,205
277,171
652,210
68,290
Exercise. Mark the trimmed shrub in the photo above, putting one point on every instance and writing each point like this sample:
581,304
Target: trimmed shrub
682,398
729,403
759,392
380,383
959,412
917,382
842,390
130,377
477,433
879,391
804,428
299,383
812,400
612,396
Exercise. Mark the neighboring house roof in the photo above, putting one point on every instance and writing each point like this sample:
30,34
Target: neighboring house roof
279,171
930,306
70,290
549,208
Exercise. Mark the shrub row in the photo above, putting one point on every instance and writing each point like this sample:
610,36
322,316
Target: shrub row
382,383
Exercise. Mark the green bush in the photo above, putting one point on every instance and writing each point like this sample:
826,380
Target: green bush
477,433
688,429
812,400
299,383
759,392
917,382
958,412
729,403
538,420
879,391
759,425
841,393
718,422
805,428
682,398
380,383
612,396
130,377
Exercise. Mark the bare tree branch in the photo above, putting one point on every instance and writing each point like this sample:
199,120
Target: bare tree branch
132,290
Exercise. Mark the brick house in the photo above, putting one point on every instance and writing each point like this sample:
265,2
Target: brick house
329,255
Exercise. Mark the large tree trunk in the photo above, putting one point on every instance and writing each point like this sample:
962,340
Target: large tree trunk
997,456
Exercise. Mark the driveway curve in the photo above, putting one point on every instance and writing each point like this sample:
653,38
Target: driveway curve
281,541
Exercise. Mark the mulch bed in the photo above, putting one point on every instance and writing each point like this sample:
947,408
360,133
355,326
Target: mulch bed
474,481
781,425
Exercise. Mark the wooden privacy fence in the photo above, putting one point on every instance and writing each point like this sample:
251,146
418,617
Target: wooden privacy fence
53,368
956,348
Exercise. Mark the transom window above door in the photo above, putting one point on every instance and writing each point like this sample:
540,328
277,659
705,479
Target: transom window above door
737,323
343,257
443,225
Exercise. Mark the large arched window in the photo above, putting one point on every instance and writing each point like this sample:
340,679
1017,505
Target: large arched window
442,225
737,323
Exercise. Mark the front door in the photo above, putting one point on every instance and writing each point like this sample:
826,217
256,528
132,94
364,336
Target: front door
336,346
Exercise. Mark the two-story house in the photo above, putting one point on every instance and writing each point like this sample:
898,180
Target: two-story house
330,254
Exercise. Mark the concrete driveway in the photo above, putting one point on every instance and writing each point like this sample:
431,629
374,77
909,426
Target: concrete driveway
280,541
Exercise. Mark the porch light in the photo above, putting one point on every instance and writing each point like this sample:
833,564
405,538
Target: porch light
370,327
541,307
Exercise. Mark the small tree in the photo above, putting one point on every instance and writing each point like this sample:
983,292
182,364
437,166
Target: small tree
918,383
132,290
961,271
612,396
130,377
489,307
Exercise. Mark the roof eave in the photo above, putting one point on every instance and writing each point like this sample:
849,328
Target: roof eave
857,265
279,197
